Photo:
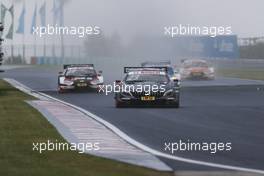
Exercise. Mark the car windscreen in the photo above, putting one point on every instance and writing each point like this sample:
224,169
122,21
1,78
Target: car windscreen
80,72
146,78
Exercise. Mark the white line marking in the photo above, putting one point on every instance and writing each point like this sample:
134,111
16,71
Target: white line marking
129,139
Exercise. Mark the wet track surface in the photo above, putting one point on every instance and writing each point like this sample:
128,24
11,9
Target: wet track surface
206,115
225,110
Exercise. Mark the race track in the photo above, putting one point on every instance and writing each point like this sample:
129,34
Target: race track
223,110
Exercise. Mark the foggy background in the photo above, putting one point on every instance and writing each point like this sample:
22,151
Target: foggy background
132,31
148,17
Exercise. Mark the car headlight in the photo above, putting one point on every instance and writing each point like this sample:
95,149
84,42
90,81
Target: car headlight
68,81
95,81
169,93
126,94
176,77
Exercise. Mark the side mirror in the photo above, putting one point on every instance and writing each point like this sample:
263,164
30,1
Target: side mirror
60,73
2,71
118,81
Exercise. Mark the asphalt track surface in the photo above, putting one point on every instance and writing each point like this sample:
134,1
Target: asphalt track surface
224,110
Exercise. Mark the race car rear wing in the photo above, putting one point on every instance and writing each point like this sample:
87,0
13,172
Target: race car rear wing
131,69
77,65
159,63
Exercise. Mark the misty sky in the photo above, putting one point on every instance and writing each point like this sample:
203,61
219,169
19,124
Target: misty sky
149,16
133,17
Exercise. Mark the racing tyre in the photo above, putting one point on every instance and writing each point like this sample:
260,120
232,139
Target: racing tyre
176,104
119,104
61,91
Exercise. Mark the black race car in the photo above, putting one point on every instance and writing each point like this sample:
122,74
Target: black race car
79,77
147,86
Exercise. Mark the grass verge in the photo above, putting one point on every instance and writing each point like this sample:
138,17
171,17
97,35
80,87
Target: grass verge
245,73
21,125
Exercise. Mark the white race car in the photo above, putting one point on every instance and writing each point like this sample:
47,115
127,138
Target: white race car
79,77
